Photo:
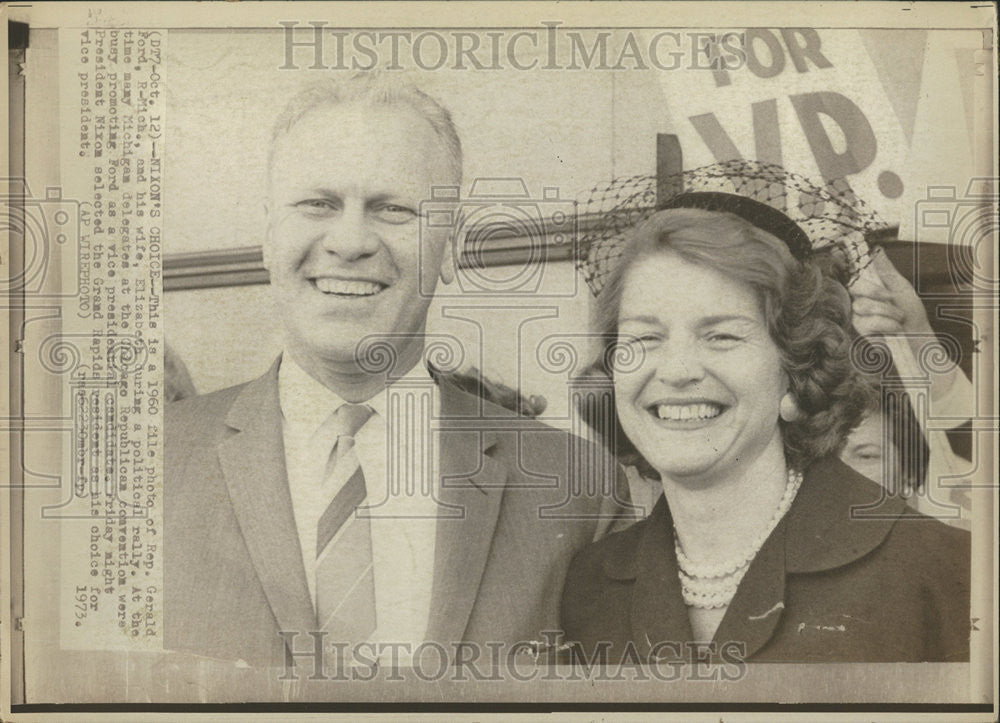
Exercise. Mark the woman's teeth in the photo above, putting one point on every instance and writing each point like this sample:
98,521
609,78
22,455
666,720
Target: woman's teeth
683,412
349,288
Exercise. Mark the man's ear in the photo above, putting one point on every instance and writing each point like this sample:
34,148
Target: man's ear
448,260
266,246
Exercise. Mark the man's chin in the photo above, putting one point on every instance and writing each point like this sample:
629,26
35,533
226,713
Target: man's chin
367,351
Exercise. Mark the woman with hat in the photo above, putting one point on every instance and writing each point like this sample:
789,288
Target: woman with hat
728,345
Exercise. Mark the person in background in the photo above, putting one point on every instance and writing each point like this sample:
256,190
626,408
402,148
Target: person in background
872,449
888,445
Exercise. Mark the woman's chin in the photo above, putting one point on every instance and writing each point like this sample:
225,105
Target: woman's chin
691,473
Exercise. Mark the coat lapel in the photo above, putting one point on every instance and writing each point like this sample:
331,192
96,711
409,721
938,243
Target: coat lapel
759,603
471,491
253,463
837,517
658,612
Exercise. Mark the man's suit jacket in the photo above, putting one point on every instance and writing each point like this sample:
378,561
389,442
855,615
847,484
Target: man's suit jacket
233,572
847,576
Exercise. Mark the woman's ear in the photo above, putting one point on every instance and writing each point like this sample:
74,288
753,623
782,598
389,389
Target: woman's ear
788,405
788,408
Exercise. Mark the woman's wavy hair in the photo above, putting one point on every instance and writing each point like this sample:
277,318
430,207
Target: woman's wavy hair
806,307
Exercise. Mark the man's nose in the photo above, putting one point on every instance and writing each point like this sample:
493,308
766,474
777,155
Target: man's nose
351,235
678,363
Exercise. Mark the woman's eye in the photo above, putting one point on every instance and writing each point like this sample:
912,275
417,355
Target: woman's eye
393,213
723,340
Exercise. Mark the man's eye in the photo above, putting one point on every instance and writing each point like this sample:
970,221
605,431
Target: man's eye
393,213
644,340
315,206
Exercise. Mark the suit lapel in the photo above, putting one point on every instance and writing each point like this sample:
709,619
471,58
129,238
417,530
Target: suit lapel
253,463
471,491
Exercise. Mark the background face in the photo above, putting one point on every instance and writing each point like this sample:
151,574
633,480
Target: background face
344,236
867,452
705,398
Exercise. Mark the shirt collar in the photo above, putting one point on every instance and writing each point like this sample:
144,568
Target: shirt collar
304,400
417,375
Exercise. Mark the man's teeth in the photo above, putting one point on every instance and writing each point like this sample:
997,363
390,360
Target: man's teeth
352,288
683,412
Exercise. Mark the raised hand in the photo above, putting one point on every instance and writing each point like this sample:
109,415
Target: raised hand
884,302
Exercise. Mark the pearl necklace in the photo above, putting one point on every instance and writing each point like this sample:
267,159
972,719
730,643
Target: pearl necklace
713,586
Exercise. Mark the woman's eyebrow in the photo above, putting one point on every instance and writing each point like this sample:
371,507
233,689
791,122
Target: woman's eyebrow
728,318
703,322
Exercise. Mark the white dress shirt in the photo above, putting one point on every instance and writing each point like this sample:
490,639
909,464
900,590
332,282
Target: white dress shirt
403,522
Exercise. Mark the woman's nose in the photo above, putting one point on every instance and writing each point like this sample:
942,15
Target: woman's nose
678,363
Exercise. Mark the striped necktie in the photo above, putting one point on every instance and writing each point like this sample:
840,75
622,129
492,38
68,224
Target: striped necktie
345,583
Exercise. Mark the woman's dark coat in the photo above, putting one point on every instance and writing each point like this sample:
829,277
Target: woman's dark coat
849,574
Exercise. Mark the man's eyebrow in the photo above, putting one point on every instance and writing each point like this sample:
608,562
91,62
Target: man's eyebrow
384,196
641,319
324,191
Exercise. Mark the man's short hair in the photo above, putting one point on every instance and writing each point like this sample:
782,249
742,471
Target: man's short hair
375,89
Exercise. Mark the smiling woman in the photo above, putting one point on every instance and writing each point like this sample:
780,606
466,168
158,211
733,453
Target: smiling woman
705,396
739,394
742,297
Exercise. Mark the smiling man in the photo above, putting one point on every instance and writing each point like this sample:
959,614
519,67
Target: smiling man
344,248
303,507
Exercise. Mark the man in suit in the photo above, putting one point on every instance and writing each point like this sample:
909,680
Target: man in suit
303,505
